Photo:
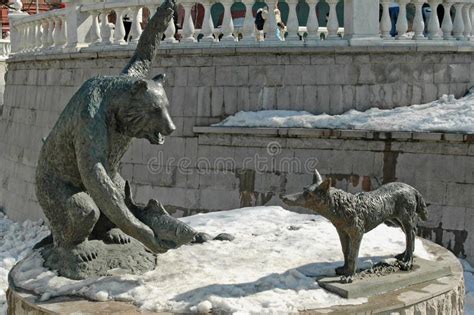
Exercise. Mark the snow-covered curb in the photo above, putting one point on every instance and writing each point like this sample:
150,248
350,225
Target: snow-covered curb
444,115
268,268
16,242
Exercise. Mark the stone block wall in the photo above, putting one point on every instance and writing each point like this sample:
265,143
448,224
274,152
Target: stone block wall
200,170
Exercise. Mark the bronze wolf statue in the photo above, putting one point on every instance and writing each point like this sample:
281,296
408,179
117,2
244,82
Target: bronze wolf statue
353,215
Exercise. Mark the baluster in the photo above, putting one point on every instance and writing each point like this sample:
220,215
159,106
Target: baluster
136,30
44,36
312,26
271,21
466,14
386,22
38,35
30,36
248,29
170,30
472,21
447,25
458,26
292,23
16,38
105,31
433,23
402,22
228,24
169,33
207,25
188,25
21,38
119,33
333,23
50,32
33,34
25,37
418,23
95,28
63,31
24,32
57,31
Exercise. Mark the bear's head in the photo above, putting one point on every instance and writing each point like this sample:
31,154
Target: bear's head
143,111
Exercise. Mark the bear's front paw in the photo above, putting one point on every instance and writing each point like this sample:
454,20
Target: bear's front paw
116,236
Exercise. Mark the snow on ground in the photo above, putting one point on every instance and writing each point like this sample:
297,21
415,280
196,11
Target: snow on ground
444,115
268,268
16,241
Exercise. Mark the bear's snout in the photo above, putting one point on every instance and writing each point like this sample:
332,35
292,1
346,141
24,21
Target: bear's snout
169,129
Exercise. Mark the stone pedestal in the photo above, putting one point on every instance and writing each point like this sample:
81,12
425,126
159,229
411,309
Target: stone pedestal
444,295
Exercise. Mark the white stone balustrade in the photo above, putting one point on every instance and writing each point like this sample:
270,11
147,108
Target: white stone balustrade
100,24
5,48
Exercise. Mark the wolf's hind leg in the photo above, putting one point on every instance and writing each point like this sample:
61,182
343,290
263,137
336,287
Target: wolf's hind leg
407,260
400,224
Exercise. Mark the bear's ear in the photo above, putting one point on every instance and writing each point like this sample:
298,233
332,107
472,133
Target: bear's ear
139,86
161,78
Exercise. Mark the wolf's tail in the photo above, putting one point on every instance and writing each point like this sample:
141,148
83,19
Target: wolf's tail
421,208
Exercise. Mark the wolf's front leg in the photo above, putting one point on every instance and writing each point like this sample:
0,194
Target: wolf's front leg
345,244
353,253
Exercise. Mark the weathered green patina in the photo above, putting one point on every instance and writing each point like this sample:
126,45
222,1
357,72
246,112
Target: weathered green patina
77,180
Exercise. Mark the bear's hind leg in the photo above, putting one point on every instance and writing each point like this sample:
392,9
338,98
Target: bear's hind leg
72,216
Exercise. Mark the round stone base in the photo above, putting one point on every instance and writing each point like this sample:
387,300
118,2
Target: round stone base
441,296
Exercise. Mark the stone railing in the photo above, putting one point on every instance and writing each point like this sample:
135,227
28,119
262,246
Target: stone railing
366,22
5,49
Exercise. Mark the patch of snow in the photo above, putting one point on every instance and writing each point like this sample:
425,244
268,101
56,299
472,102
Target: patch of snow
268,268
16,242
444,115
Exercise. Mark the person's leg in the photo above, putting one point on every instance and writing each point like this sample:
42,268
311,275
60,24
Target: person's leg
394,17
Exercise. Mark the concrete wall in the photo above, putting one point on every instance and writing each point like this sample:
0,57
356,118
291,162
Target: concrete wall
206,85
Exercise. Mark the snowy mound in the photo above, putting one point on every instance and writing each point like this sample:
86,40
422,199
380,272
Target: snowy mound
445,115
269,267
16,241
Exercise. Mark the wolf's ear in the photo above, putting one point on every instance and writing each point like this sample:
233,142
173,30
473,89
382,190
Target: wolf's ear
128,195
139,87
326,184
161,78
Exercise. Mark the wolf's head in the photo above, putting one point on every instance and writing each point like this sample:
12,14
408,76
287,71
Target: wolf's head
315,196
143,111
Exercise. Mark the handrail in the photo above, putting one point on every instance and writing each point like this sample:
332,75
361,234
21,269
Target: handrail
366,22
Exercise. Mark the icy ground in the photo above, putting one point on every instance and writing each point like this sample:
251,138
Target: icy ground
444,115
267,268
